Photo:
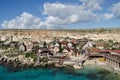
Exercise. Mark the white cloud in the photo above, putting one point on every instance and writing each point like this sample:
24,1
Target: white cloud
23,21
28,21
61,10
107,16
92,4
52,23
116,10
69,13
59,15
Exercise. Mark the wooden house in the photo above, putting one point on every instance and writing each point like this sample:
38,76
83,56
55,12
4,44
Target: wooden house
64,43
56,50
65,51
22,47
113,59
29,45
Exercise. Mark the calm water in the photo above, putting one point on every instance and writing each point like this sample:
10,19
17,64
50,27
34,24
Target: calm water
88,73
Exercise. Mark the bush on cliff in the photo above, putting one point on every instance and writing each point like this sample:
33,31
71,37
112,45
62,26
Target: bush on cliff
31,54
44,59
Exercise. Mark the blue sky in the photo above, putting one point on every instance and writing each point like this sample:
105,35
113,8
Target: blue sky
54,14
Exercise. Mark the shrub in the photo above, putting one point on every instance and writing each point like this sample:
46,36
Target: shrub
44,59
31,54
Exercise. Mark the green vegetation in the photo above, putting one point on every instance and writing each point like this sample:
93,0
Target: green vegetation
61,49
66,38
110,44
30,54
12,55
36,47
97,30
6,46
3,46
12,52
44,45
44,59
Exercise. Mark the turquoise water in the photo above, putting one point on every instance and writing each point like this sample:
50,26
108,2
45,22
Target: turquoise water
88,73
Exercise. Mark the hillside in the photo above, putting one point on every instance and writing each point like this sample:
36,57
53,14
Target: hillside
95,34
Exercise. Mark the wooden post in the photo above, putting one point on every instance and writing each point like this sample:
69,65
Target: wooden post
118,61
115,59
112,63
108,59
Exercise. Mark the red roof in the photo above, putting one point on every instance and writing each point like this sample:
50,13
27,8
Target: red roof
104,51
116,51
64,42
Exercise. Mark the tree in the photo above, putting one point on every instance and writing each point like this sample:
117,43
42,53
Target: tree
44,45
101,30
60,48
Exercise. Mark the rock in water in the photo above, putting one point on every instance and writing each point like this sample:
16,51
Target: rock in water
77,67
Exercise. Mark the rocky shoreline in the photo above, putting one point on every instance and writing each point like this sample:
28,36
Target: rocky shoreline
17,65
15,62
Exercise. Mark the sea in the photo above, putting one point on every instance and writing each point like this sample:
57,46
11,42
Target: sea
52,73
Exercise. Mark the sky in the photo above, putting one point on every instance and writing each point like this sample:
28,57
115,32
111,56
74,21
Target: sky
59,14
